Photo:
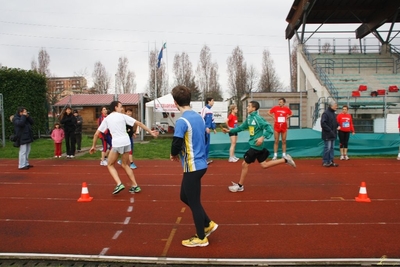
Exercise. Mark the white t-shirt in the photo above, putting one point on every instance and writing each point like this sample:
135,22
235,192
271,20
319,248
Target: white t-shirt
116,124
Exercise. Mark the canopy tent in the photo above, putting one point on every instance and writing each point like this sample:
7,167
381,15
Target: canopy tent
163,113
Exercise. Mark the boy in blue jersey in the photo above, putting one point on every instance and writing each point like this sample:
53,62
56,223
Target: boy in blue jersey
208,116
188,145
259,129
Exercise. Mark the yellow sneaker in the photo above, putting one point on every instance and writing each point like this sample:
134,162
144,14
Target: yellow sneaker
194,241
211,228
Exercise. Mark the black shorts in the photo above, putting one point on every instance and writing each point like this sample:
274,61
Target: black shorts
251,155
232,134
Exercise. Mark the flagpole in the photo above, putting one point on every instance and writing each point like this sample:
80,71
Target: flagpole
155,86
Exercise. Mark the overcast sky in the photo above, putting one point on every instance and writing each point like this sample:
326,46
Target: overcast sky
76,34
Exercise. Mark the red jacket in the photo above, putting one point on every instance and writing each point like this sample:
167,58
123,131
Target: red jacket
57,135
345,122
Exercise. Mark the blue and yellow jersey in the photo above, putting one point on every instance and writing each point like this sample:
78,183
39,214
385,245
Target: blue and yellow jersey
191,128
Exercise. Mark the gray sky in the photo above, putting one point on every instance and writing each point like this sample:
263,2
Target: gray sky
76,34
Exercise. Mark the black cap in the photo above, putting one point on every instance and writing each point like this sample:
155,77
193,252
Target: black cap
75,111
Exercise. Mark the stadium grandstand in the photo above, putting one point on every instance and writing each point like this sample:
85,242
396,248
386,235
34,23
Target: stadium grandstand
351,55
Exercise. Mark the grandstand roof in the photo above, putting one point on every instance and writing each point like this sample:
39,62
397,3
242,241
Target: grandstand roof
370,14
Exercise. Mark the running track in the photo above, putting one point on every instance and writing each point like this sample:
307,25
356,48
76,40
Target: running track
291,215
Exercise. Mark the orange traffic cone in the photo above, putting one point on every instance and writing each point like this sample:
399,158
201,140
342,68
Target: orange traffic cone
85,194
362,195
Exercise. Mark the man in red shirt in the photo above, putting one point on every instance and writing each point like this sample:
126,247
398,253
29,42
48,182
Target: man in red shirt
281,114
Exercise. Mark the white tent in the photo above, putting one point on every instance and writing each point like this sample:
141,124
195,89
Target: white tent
166,113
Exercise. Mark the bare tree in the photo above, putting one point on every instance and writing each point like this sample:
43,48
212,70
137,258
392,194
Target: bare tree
42,65
214,86
237,76
326,48
252,78
293,67
184,75
161,78
269,81
203,70
101,79
82,86
125,78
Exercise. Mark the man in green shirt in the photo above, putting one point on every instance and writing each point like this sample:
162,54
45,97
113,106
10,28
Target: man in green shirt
259,129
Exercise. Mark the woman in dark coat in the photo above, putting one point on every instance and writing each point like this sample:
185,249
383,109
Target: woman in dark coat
68,121
23,130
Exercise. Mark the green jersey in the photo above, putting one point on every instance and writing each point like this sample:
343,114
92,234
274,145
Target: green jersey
257,127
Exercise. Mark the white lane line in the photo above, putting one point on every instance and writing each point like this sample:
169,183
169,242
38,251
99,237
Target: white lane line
130,209
127,219
116,235
104,251
132,200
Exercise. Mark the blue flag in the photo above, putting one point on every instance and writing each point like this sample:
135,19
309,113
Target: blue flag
160,55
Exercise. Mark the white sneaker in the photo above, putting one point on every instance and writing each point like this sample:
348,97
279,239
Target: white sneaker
209,161
290,161
398,158
236,188
232,159
236,157
71,156
275,158
346,157
119,162
103,163
341,157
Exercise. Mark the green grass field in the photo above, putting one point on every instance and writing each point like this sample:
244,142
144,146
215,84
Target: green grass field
44,148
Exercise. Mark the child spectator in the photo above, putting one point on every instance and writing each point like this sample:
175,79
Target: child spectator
58,136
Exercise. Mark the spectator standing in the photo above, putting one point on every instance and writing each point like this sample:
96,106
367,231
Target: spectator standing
188,147
104,137
231,122
346,127
208,116
78,130
68,121
398,155
281,114
259,130
23,122
329,127
58,136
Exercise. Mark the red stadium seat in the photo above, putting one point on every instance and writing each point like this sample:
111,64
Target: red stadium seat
381,91
362,87
393,88
355,94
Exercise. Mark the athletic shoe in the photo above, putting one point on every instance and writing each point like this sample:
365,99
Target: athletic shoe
211,228
275,158
346,157
195,241
398,158
290,161
333,164
55,156
209,161
342,157
103,163
132,166
119,162
326,164
232,159
24,168
236,157
67,156
118,189
236,188
135,189
71,156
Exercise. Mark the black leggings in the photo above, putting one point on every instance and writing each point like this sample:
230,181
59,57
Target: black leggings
344,139
190,195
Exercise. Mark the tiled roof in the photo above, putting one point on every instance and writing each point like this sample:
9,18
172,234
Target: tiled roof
98,99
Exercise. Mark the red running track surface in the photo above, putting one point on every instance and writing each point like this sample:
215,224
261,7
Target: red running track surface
284,213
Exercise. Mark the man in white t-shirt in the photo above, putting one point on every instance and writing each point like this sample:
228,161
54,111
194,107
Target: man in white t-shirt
121,145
